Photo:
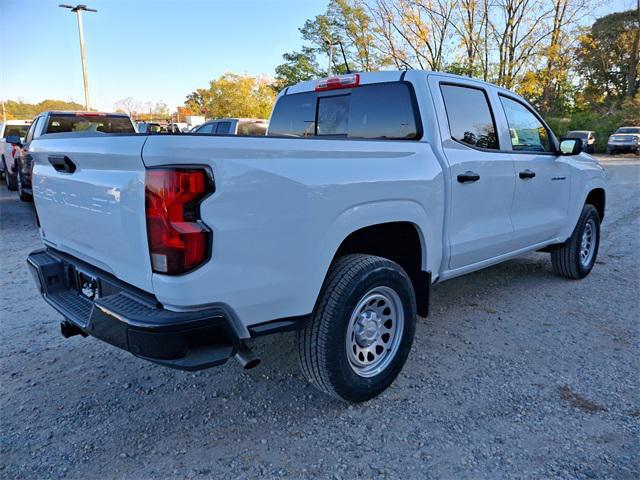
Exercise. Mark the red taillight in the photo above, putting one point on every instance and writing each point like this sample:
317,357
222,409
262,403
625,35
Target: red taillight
90,114
178,240
334,83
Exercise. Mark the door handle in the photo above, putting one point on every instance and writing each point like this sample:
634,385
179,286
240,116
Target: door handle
62,164
527,174
468,177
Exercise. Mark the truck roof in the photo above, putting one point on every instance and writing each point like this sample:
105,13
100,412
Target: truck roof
244,119
84,113
388,76
17,122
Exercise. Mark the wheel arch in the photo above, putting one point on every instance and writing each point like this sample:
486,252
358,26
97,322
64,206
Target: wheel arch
597,198
402,242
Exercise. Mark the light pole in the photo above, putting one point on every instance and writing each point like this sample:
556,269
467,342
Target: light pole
78,9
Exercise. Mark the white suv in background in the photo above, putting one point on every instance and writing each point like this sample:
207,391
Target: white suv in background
7,150
625,139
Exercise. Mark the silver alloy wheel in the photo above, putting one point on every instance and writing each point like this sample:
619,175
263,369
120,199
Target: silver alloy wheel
588,243
375,331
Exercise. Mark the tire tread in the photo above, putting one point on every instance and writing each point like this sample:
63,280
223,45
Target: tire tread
312,340
565,257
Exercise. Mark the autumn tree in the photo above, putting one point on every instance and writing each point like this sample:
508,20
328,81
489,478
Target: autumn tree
233,95
19,109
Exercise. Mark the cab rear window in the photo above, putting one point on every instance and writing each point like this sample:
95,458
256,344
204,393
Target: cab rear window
384,111
64,123
20,130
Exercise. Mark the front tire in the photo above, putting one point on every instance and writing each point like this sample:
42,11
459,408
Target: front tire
361,330
576,257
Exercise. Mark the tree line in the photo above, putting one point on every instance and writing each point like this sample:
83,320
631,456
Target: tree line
25,111
536,47
579,77
576,75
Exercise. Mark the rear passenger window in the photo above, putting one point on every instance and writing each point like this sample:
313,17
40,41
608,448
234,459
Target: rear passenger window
223,128
469,114
376,111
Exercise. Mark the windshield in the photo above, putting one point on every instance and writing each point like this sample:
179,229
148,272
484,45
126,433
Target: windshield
20,130
628,130
71,122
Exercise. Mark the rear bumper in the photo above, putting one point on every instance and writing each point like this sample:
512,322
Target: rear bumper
131,319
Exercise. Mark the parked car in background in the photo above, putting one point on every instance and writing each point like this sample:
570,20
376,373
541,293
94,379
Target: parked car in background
588,138
234,126
369,188
177,127
152,127
7,150
96,124
625,139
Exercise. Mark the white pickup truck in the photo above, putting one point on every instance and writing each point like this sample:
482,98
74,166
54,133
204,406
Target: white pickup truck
367,189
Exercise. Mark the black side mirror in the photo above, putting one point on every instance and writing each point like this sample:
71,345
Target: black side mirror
14,140
570,146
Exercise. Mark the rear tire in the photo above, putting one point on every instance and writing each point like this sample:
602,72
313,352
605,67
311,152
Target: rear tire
361,330
575,258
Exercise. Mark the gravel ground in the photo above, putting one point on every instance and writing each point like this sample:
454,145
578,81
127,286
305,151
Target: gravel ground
515,374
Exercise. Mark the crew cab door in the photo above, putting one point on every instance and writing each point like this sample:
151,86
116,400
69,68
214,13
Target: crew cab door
543,183
481,177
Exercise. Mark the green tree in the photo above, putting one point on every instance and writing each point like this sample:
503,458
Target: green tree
233,95
607,58
298,67
346,24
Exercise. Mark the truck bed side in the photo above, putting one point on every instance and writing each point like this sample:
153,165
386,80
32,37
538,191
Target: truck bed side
283,206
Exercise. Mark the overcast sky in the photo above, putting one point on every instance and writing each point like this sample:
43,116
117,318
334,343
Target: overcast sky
149,49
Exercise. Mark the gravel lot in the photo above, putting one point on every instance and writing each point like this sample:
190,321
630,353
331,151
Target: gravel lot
515,374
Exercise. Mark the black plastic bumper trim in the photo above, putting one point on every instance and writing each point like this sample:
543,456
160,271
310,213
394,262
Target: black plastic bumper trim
132,319
287,324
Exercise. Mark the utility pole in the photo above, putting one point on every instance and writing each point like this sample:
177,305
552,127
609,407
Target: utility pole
78,9
330,45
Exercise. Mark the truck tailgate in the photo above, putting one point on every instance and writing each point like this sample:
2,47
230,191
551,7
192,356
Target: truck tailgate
94,208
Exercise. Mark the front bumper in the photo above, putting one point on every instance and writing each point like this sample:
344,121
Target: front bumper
132,319
623,147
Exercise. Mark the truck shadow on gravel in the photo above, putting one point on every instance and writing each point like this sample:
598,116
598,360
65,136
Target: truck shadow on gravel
479,294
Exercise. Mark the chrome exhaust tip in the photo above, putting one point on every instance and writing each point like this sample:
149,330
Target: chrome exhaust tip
246,358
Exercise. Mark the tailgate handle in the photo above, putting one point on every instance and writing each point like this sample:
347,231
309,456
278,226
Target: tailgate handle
62,164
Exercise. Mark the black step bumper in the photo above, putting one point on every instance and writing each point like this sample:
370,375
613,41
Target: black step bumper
132,319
